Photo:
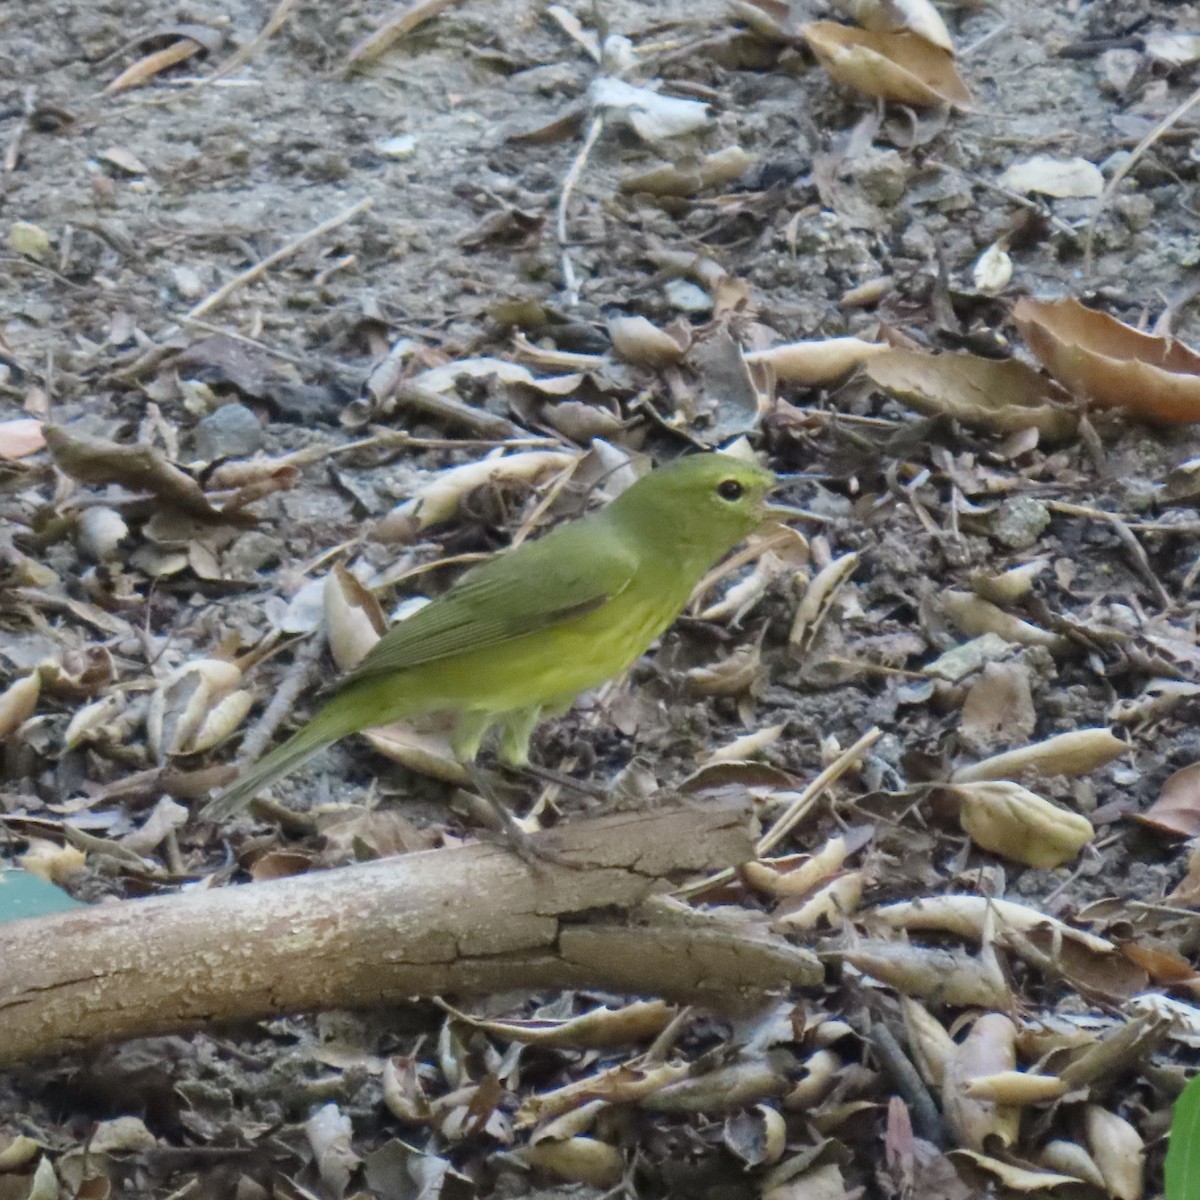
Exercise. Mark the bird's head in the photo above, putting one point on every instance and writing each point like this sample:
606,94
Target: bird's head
704,500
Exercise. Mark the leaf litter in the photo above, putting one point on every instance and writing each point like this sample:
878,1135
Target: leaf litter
911,687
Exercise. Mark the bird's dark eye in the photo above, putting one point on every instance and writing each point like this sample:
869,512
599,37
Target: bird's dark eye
730,489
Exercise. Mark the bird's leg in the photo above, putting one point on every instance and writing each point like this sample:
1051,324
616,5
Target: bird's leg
515,835
559,778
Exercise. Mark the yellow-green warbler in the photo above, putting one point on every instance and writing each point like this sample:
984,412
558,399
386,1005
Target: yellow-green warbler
519,637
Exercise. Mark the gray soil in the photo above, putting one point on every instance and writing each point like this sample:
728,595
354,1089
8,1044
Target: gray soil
153,198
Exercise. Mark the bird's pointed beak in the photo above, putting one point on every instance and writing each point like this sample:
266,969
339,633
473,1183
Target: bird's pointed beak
785,512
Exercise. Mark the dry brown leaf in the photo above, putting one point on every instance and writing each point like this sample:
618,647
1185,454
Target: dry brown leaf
998,707
996,396
893,66
138,467
1111,363
1177,809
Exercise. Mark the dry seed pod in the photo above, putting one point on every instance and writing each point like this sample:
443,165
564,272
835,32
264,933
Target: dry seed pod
90,719
1118,1151
220,721
802,879
989,1047
18,702
821,1071
638,341
967,915
583,1160
1019,825
945,976
1074,753
1009,586
993,270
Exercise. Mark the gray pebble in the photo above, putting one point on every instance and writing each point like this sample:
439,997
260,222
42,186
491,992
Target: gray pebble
231,431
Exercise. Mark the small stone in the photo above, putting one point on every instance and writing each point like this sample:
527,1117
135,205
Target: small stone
882,177
402,146
232,431
1018,523
687,296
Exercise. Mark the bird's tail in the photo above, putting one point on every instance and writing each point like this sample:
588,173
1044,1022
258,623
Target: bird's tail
324,729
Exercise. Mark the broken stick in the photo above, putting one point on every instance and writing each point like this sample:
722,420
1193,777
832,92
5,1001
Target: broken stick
466,921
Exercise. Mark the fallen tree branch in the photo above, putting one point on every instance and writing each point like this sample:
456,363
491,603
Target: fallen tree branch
471,920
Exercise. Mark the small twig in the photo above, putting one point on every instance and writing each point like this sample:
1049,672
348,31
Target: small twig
446,408
570,283
796,811
284,699
284,252
896,1064
283,10
1172,118
803,804
407,19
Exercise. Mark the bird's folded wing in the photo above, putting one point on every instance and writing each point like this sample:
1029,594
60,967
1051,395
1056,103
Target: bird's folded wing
523,591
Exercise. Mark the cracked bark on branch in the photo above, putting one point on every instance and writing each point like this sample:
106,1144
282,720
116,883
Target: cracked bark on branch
466,921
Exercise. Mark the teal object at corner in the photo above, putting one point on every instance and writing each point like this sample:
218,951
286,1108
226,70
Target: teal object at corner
24,895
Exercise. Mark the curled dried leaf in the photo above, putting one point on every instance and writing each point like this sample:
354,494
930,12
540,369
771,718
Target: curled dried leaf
989,1048
1111,363
831,905
440,498
976,616
1119,1152
18,702
1074,753
892,66
195,707
895,16
817,601
816,363
639,341
353,619
1018,824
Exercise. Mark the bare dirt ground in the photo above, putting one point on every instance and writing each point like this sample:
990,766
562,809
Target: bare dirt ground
125,212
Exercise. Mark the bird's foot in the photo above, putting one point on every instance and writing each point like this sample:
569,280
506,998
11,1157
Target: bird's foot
512,833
